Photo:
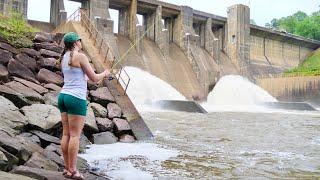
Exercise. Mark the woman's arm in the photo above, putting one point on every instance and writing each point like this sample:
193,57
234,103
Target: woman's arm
86,67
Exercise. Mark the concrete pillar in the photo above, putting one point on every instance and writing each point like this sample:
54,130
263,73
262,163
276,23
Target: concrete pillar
161,34
57,12
239,37
105,26
98,9
139,38
168,23
211,41
182,26
132,24
122,25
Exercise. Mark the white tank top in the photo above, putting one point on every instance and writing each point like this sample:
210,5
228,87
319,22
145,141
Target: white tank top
75,80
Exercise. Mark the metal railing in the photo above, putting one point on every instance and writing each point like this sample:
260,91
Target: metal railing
102,45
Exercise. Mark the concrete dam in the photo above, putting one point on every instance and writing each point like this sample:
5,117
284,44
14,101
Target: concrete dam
189,49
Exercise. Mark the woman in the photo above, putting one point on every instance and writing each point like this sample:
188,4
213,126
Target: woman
72,100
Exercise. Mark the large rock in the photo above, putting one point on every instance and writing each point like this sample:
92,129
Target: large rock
42,116
43,37
10,176
12,160
46,139
84,142
48,63
126,138
48,46
90,121
15,68
105,124
104,138
121,124
28,93
51,98
54,157
30,137
54,148
27,61
49,54
9,48
102,96
53,87
4,74
37,160
41,90
47,76
11,117
18,99
99,110
4,162
30,52
113,110
5,56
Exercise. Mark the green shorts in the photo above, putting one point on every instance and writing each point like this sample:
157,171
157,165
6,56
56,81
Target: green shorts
72,105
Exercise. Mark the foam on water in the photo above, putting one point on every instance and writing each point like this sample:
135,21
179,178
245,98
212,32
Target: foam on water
145,88
120,160
236,93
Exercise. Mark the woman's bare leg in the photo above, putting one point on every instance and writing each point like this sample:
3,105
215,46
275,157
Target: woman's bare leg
65,139
75,127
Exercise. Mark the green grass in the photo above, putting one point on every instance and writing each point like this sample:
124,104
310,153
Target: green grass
16,30
309,67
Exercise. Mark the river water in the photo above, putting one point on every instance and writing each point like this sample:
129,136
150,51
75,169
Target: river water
238,138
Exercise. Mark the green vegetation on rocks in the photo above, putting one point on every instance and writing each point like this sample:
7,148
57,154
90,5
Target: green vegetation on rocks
309,67
16,30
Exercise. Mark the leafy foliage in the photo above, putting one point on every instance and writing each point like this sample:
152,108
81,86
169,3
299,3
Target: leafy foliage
300,24
16,30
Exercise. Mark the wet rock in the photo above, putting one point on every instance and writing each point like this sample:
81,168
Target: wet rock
104,138
27,61
126,138
113,110
15,68
105,124
37,160
38,88
28,93
42,116
53,87
102,96
51,98
49,46
47,76
121,124
99,110
4,74
14,96
5,56
48,63
54,148
90,121
10,176
43,37
8,47
49,54
30,52
11,117
46,139
30,137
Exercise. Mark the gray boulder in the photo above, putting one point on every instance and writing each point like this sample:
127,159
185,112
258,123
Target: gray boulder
18,99
54,148
12,160
48,63
49,54
30,52
51,98
90,121
42,116
126,138
27,92
8,47
105,124
104,138
49,46
15,68
5,56
26,60
99,110
4,73
46,76
102,96
43,37
121,124
10,176
53,87
114,110
37,160
38,88
46,139
4,162
30,137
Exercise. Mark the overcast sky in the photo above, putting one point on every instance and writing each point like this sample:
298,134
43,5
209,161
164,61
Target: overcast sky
262,11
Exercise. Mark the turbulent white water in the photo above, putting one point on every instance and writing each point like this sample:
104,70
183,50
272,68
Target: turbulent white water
236,93
145,88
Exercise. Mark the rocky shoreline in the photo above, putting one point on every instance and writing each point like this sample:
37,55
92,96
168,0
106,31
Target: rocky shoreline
30,127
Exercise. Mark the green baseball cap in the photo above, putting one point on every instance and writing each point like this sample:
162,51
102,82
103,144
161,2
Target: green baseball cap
71,37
